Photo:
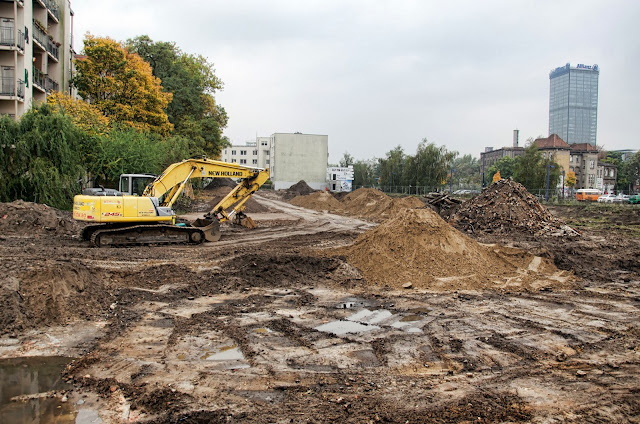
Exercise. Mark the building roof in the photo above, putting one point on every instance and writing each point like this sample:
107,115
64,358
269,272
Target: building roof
551,142
583,147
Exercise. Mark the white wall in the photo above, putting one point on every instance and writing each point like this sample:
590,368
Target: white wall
296,157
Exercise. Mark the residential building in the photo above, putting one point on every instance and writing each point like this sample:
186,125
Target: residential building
340,178
583,161
36,52
555,148
290,157
573,103
606,176
491,156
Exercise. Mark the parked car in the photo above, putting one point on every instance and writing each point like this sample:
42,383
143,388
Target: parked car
606,198
634,199
621,198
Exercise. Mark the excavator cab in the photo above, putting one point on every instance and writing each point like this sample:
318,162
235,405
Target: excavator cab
135,184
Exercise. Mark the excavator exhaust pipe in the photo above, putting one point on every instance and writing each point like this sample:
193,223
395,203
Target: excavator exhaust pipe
210,228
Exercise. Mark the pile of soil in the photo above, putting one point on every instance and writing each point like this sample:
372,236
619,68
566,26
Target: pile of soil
301,188
208,198
507,207
220,182
52,293
418,247
26,218
367,203
319,201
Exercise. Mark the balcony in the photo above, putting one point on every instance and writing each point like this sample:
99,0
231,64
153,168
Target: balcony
53,49
51,85
53,10
8,39
40,37
39,79
9,88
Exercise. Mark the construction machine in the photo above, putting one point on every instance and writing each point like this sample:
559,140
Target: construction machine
140,212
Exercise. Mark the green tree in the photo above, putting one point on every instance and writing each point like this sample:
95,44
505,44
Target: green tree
505,165
531,170
430,167
192,81
121,85
467,171
392,167
365,173
42,158
633,170
347,160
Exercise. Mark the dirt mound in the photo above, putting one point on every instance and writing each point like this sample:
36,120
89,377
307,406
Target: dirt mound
419,247
23,218
373,204
506,207
320,201
220,182
51,294
207,199
301,188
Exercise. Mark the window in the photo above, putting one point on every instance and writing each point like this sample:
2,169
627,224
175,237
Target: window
570,158
267,161
255,153
266,152
233,152
243,161
577,159
224,151
591,163
243,152
254,161
264,143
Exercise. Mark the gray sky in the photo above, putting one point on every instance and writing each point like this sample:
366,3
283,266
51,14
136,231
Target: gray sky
376,74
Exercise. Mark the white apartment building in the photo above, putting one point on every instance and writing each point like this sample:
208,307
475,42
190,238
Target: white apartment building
290,157
36,52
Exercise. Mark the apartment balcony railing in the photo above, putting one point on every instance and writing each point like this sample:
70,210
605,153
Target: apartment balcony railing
53,9
40,36
51,85
39,78
53,49
7,37
8,87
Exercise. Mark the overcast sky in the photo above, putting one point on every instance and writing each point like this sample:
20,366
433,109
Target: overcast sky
375,74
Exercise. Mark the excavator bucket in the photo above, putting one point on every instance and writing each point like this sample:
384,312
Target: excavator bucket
244,220
210,227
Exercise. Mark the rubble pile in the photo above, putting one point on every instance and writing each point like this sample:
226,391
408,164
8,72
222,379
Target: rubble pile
507,207
418,249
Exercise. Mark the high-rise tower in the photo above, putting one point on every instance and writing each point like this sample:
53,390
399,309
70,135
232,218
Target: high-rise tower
573,103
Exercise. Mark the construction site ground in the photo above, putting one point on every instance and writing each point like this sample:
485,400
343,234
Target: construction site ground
318,317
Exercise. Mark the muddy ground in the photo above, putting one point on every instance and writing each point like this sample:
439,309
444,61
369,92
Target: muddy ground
269,326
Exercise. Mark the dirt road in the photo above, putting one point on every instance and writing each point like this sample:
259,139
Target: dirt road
267,327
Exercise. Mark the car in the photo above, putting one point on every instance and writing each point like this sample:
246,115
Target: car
606,198
621,198
634,199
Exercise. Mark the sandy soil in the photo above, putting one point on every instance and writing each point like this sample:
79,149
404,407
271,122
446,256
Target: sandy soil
300,321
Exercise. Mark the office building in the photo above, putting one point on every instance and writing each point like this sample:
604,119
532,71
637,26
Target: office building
573,103
36,55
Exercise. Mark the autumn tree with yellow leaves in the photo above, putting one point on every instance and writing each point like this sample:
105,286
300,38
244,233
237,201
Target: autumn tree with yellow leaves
121,86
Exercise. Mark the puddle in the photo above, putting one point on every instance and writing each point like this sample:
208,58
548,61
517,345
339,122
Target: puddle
411,318
345,327
229,353
31,379
262,330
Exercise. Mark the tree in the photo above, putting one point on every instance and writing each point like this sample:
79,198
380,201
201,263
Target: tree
391,167
570,180
365,172
346,161
633,169
467,171
505,165
531,169
121,85
83,114
192,81
430,166
496,177
44,158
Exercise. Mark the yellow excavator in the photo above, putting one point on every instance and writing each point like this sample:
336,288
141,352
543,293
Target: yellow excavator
140,212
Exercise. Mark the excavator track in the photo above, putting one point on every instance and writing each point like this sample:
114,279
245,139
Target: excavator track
141,235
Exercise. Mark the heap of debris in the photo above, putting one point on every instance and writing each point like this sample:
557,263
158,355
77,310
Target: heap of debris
442,203
507,207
